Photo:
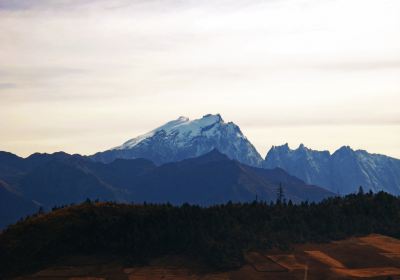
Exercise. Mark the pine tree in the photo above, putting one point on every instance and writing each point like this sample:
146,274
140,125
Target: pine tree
280,195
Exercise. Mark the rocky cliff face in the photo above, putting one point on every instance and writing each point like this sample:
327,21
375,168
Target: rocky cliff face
341,172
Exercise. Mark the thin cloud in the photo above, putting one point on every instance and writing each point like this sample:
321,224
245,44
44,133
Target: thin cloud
321,121
360,65
23,5
37,72
7,86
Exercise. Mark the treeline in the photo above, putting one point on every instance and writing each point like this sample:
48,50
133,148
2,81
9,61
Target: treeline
218,235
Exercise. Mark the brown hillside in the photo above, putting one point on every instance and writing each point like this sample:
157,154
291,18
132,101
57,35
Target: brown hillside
370,257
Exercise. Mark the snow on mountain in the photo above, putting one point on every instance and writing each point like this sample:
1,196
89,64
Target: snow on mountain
183,138
341,172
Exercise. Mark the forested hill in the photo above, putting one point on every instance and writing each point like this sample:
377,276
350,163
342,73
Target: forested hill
218,235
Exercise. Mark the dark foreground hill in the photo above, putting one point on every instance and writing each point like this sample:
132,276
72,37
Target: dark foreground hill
218,235
49,180
373,257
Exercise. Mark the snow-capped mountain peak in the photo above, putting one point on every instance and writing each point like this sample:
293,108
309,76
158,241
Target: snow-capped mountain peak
184,138
183,128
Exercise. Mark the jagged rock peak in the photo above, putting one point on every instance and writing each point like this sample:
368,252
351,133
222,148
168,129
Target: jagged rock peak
184,138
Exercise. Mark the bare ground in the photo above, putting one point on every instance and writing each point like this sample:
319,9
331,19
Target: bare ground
369,257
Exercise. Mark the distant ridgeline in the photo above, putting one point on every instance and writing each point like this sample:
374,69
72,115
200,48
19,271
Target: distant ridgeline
204,161
44,180
341,172
217,235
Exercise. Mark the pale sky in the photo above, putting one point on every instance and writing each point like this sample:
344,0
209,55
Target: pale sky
85,76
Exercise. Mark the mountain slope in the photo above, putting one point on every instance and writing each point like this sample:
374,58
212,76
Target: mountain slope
61,178
183,138
12,168
56,183
58,179
13,206
214,178
341,172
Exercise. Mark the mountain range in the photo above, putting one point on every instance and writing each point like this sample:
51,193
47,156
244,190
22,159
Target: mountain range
204,161
342,172
48,180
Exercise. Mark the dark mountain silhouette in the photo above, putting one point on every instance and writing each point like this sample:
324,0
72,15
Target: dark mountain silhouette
214,178
13,206
56,183
58,179
12,167
121,173
10,163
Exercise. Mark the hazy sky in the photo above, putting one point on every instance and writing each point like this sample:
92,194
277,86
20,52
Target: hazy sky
84,76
